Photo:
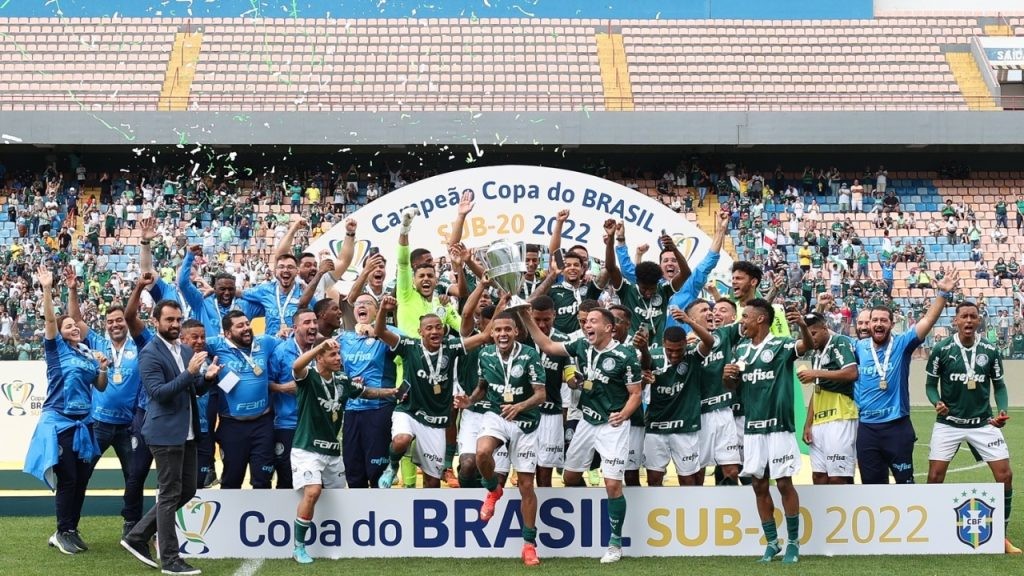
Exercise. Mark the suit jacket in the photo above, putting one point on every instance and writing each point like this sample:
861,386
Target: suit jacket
171,392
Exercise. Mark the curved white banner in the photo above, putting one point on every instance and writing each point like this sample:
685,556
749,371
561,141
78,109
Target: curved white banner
517,203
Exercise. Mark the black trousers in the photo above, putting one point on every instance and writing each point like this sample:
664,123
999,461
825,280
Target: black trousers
73,475
176,477
142,458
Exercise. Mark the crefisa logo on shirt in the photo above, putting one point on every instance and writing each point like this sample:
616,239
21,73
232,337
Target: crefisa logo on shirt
19,399
974,519
194,521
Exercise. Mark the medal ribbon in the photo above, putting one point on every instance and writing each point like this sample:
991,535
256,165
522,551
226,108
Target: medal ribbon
968,364
506,369
874,355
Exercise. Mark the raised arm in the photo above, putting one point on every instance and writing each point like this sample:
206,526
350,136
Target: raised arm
477,340
627,265
369,267
74,310
549,279
45,278
147,226
543,342
193,296
348,249
131,310
943,293
388,304
707,339
285,247
326,267
555,243
805,343
611,263
301,363
468,320
465,207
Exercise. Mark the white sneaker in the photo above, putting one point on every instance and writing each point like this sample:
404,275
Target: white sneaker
613,554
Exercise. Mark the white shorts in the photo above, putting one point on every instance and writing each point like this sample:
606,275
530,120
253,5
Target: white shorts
833,449
719,439
428,450
987,440
635,460
777,451
470,424
550,441
681,449
520,449
313,468
741,426
612,443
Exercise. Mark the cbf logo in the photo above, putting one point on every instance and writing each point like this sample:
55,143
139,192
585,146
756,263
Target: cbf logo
18,394
974,521
194,521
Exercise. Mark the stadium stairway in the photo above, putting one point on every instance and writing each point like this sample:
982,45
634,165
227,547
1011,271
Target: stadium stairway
968,78
611,55
181,71
707,220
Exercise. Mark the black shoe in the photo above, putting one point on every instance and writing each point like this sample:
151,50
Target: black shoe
128,525
140,551
211,479
180,568
76,539
62,541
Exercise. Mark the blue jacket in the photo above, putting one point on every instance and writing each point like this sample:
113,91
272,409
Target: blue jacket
171,395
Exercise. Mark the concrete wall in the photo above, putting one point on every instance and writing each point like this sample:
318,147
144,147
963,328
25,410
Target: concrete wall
563,128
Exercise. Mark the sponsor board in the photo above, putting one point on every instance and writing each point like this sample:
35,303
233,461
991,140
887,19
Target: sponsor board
22,393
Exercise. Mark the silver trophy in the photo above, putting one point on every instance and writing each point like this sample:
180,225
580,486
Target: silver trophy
506,267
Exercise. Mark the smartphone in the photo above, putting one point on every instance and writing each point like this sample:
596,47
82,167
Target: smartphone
559,258
403,393
373,251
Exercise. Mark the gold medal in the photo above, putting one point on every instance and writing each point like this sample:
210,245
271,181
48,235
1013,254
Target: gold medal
741,365
508,397
883,385
817,389
334,416
117,377
437,388
588,385
256,370
971,384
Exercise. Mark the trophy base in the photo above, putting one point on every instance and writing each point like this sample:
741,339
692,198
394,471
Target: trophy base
516,303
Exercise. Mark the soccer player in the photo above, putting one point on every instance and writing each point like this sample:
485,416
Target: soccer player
572,291
416,284
719,434
551,430
610,384
511,379
762,368
428,365
885,435
673,415
695,283
245,431
831,427
963,370
321,394
283,391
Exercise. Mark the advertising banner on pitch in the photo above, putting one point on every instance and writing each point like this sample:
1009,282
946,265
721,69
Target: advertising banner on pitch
517,203
22,393
847,520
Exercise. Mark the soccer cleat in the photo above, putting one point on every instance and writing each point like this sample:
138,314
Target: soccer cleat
76,539
387,478
1010,548
613,554
140,551
487,508
529,555
450,478
594,478
792,553
300,555
771,551
61,541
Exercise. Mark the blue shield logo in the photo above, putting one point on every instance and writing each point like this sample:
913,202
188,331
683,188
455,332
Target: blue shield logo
974,522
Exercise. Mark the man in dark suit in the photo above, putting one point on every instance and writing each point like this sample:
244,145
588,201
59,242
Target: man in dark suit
172,376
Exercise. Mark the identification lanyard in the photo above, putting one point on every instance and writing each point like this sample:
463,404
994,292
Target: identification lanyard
281,308
256,370
753,352
115,356
529,287
972,382
883,382
186,310
506,369
433,370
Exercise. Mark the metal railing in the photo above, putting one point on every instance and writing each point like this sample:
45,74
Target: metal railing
434,101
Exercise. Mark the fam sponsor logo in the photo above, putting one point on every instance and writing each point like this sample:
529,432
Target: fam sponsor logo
974,519
194,520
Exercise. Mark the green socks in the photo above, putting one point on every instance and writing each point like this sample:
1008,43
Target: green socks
301,528
470,482
772,536
616,516
395,458
530,535
490,483
449,455
792,540
1007,504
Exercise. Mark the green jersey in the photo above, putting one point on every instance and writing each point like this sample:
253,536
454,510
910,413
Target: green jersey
321,407
834,400
1017,344
646,311
468,372
1001,208
554,367
511,380
430,376
964,378
606,374
767,383
567,300
713,395
674,407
